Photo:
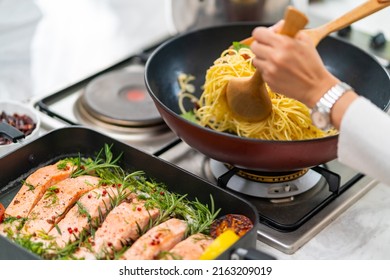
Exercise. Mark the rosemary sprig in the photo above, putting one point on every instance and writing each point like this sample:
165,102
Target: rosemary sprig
51,193
200,216
100,166
197,215
30,187
63,164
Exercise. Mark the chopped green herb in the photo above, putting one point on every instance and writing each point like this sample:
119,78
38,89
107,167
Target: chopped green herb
238,45
189,115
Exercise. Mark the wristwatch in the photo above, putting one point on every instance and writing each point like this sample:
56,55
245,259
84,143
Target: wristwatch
320,114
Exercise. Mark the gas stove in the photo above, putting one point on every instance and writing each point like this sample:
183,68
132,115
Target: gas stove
293,207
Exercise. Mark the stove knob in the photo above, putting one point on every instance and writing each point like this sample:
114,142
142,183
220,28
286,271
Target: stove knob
345,31
378,41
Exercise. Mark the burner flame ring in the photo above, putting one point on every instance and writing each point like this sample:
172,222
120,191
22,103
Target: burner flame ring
269,177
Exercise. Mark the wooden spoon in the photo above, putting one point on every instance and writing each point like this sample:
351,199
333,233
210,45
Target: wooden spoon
317,34
247,97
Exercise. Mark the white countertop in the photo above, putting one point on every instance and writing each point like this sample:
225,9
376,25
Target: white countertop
360,233
46,46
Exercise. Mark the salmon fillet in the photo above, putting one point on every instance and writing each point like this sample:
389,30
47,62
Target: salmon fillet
84,215
121,227
56,202
35,186
159,238
190,248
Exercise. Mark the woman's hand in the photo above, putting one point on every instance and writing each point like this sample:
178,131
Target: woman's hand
291,66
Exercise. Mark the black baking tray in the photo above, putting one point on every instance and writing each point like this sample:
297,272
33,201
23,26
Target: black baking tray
78,140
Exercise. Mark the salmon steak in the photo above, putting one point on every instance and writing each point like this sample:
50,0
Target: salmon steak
57,201
190,248
35,186
122,226
84,215
162,237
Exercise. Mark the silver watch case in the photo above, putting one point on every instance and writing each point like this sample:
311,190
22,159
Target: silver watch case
320,114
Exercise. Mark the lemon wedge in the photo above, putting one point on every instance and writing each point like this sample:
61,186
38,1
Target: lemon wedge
219,245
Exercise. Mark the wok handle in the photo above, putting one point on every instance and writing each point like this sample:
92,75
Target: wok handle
250,254
10,132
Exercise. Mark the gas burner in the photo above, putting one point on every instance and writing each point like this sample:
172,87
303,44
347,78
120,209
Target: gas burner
118,101
266,185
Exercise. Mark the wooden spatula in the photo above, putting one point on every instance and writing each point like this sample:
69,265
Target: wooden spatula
247,97
317,34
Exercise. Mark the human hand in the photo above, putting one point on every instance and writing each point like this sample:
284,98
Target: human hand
291,66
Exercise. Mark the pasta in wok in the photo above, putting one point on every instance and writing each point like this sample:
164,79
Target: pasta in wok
289,119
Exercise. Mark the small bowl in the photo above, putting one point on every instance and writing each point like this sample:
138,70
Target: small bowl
11,107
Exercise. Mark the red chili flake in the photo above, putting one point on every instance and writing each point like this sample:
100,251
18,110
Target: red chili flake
76,229
57,190
139,208
245,56
119,185
109,244
89,196
104,184
162,193
154,242
18,217
70,230
104,193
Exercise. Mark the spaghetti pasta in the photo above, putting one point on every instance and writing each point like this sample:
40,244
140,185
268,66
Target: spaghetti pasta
289,120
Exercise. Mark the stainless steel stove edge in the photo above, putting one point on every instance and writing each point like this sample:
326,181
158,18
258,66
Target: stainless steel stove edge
290,242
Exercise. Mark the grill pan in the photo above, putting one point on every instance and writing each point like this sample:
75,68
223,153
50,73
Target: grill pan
77,140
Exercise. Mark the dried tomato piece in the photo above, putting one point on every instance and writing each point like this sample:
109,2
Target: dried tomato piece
240,224
2,212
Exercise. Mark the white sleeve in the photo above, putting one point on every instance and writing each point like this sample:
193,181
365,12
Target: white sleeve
364,140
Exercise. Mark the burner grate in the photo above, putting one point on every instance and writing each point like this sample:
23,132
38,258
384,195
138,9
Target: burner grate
290,214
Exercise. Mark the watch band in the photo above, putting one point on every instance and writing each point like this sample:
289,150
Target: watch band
321,112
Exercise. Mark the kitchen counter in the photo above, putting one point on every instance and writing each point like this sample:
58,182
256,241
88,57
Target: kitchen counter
47,46
362,232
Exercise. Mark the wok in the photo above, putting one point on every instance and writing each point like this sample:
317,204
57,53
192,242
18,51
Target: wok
194,52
